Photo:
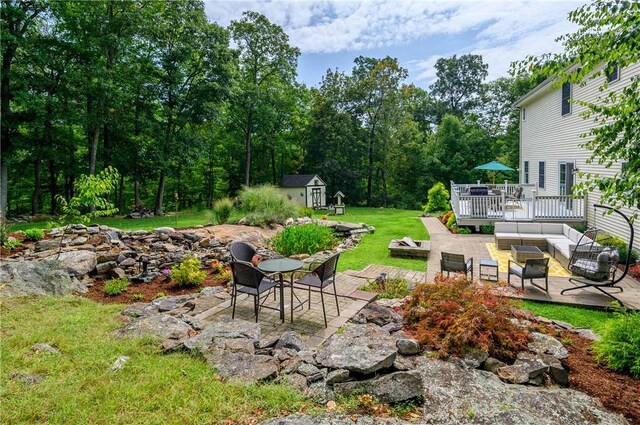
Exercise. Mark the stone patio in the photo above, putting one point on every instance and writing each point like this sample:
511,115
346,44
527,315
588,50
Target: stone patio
475,245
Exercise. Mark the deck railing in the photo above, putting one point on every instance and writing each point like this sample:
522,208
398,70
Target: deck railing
504,207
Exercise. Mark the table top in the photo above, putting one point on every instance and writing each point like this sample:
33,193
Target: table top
493,263
281,265
526,249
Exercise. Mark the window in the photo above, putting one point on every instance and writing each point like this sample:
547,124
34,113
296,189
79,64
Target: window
624,167
526,172
541,174
524,114
613,73
566,96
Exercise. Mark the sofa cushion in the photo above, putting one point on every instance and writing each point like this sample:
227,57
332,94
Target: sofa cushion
505,227
552,228
565,230
529,228
507,235
532,236
574,235
563,246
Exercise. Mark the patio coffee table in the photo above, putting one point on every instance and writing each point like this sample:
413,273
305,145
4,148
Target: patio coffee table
522,253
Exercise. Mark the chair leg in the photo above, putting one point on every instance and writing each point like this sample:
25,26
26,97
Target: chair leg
324,313
309,298
335,293
233,301
255,307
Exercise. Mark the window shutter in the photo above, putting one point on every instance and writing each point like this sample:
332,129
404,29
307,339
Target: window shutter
566,95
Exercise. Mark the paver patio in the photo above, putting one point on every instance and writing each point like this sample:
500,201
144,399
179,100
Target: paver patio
475,245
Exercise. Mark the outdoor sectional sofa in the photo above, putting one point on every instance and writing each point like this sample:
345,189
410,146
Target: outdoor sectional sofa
559,240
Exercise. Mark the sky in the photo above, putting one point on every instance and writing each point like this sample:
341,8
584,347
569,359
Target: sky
331,34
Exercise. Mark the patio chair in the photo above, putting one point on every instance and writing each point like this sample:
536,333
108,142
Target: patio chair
319,278
455,263
249,280
518,194
534,268
241,251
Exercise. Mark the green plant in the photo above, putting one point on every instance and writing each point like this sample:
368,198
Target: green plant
12,243
451,221
265,205
116,286
34,234
159,295
464,231
455,314
619,344
222,210
188,272
580,227
633,254
137,297
4,230
306,212
437,198
445,217
487,229
303,239
391,287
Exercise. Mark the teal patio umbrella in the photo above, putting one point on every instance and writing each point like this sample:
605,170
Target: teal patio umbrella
494,166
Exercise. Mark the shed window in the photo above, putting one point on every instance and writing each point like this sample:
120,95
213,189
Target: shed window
566,96
526,172
541,166
613,73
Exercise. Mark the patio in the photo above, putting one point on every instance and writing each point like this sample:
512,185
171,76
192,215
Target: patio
476,246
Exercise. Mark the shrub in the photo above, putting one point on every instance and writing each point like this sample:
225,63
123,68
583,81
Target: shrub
612,241
264,205
487,230
116,286
160,295
306,212
437,198
455,314
222,209
580,228
464,231
34,234
303,239
619,344
445,217
11,243
451,222
623,255
188,272
634,271
391,287
138,297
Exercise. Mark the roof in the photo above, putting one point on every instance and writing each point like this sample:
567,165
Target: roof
298,180
537,90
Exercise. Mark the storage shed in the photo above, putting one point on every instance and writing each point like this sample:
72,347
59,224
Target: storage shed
306,189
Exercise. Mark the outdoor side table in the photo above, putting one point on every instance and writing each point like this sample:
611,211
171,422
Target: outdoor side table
491,265
281,266
522,253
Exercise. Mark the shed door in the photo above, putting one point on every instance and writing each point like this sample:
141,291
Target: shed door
315,198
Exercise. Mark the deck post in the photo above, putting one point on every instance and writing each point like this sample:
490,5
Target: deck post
534,194
504,204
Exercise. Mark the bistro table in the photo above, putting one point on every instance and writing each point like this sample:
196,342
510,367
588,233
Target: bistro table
281,266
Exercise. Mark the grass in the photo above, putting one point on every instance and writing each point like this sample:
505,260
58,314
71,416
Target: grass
577,316
79,386
373,249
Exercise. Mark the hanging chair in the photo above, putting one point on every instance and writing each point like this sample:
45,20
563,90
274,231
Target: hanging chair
595,259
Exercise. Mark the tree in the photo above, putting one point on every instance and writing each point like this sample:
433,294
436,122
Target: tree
607,37
266,59
459,82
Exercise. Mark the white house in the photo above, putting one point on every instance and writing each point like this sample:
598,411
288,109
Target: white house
306,189
550,152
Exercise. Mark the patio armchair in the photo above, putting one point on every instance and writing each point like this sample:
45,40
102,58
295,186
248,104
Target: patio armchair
455,263
242,252
319,278
516,197
249,280
534,268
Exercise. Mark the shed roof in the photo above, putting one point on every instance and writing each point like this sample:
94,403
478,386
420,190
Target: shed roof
298,180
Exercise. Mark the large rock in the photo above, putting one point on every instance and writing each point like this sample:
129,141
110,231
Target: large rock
545,344
172,331
210,338
291,339
243,367
76,263
458,395
359,348
392,388
523,371
21,278
379,315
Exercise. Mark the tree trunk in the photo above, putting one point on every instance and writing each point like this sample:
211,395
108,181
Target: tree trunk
4,188
52,185
159,195
370,173
136,192
35,198
273,166
248,143
121,194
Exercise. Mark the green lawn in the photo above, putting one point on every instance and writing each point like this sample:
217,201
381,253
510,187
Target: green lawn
80,388
577,316
390,224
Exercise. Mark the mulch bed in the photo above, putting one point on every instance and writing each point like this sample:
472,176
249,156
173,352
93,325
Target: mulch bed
151,290
618,392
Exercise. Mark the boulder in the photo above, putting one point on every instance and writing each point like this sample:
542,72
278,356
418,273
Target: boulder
492,365
310,371
338,375
379,315
474,358
545,344
128,262
46,348
243,367
172,331
523,371
103,268
407,346
296,381
46,244
117,273
556,371
290,339
165,230
22,278
358,348
392,388
454,394
227,329
75,263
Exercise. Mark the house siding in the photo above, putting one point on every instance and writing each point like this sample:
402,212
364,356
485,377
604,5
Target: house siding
547,135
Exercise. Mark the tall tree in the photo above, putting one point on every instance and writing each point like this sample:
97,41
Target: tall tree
266,59
607,37
459,82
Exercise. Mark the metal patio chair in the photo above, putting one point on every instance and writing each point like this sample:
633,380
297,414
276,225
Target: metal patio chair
319,278
534,268
249,280
455,263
